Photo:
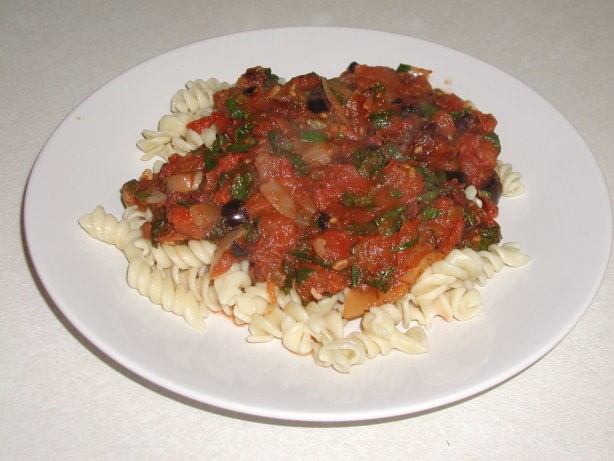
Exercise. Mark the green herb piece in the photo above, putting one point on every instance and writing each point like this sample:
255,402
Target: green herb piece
381,119
240,147
283,146
244,139
355,276
350,199
369,162
469,218
157,230
484,194
362,229
430,178
390,222
432,193
210,162
427,109
391,151
271,77
458,114
396,193
303,253
494,138
378,88
218,145
338,89
383,280
242,185
313,136
244,131
279,143
403,68
429,196
298,163
302,273
290,273
404,245
489,235
386,224
429,212
251,231
234,110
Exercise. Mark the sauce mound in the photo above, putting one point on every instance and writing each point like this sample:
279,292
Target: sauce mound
324,184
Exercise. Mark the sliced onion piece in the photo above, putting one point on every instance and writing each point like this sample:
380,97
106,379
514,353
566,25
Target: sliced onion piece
156,197
319,247
205,214
224,245
184,183
279,198
314,153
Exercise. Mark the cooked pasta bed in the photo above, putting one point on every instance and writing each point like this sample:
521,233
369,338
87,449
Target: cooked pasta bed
317,300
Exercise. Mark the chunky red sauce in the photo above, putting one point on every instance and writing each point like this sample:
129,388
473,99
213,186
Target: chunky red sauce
322,184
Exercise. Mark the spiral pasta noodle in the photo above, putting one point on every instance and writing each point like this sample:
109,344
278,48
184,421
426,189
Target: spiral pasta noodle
197,96
153,284
196,253
378,335
298,327
511,185
172,135
149,280
446,288
106,228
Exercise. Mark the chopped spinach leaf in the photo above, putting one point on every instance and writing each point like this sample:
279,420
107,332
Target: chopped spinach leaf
313,136
381,119
242,185
429,212
234,110
302,273
368,162
350,199
494,138
404,245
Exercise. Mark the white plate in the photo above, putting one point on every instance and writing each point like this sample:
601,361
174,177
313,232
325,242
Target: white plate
528,310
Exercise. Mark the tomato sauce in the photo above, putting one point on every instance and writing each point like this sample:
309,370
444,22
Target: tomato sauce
354,181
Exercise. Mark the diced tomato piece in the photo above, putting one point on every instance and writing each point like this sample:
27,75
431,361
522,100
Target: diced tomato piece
216,118
320,281
488,121
222,266
333,245
277,236
183,223
477,158
334,181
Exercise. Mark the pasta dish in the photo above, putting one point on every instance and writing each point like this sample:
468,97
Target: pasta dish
308,208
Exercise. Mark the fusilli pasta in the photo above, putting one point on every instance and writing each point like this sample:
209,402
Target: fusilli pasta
176,278
511,184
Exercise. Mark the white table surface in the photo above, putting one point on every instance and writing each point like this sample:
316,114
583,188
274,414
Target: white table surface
60,399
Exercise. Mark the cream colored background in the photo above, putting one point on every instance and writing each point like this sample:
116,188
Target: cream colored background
61,400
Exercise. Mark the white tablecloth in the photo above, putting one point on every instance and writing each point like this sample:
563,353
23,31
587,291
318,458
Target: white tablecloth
60,399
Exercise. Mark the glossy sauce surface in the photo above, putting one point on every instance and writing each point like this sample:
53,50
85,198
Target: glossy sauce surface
356,181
